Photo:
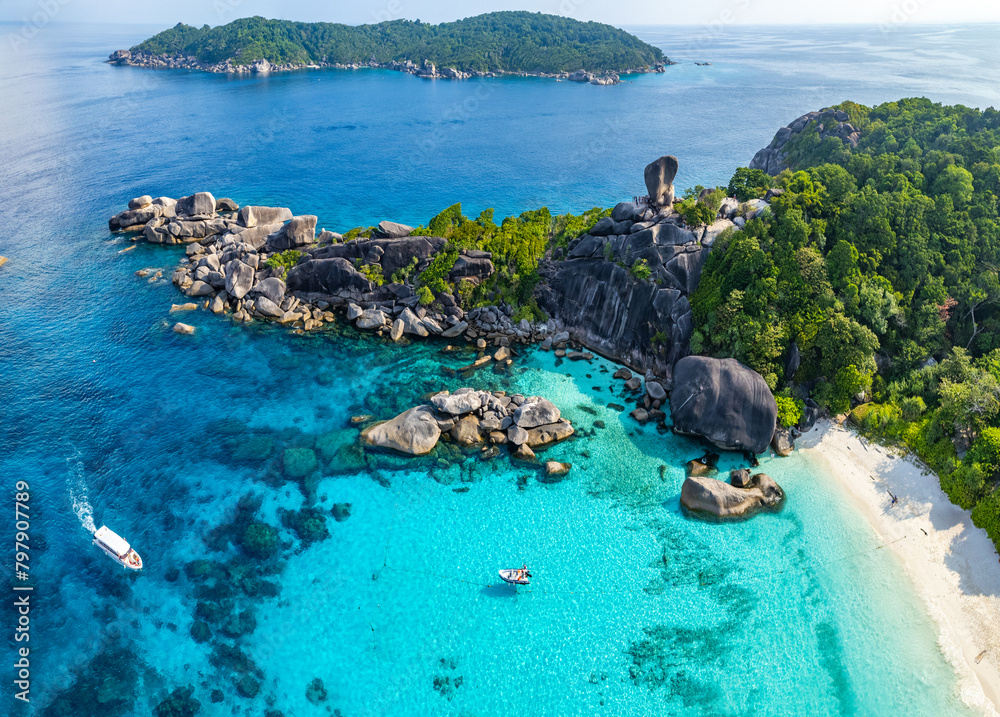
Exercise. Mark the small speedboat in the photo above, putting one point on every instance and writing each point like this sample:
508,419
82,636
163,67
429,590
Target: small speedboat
516,576
117,547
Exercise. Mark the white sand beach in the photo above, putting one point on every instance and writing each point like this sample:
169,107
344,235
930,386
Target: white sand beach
953,564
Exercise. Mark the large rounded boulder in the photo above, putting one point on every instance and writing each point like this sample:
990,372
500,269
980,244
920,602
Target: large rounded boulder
724,402
415,432
705,495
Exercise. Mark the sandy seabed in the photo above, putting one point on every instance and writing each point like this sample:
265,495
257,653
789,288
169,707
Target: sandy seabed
953,564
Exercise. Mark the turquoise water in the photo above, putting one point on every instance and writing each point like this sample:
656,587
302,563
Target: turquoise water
635,609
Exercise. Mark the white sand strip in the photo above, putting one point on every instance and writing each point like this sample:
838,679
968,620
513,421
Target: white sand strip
953,564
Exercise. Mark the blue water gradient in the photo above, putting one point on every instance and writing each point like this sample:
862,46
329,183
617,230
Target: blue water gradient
635,609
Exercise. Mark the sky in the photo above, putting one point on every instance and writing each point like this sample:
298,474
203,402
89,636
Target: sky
617,12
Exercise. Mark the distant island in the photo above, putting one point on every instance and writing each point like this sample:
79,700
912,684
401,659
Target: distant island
521,43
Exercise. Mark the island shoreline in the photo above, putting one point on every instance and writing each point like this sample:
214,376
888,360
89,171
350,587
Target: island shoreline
427,71
928,535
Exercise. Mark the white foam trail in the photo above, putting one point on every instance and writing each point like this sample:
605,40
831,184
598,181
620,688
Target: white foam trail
78,493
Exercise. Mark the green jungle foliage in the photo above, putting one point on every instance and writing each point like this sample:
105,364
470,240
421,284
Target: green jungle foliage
518,244
511,41
874,261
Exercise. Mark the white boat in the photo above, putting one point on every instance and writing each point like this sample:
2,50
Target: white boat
117,547
516,576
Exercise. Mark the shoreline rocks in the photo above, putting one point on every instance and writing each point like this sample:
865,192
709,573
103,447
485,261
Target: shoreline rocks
713,497
469,417
265,263
426,70
724,402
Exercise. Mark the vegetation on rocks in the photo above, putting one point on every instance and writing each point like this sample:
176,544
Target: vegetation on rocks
517,245
880,263
499,41
284,260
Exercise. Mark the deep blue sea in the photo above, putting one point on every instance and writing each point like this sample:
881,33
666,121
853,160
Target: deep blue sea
109,416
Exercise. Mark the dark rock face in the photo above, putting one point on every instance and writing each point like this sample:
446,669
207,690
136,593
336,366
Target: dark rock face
659,176
782,442
792,361
724,402
466,266
327,276
391,254
611,311
832,123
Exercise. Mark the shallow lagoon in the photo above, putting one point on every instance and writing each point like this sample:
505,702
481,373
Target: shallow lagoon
633,605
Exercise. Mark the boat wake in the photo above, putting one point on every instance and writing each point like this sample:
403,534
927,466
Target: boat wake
78,492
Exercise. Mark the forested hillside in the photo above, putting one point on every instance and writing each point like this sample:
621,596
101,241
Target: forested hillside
879,263
500,41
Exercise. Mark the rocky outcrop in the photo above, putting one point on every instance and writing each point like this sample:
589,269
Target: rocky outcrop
298,232
392,230
612,311
704,495
620,289
254,216
724,402
197,204
828,123
469,417
659,178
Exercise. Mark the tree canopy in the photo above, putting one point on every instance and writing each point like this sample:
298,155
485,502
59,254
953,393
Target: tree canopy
880,263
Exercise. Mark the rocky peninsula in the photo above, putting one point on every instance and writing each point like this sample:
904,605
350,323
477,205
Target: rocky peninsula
618,286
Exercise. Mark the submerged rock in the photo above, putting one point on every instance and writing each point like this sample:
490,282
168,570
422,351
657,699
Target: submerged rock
701,494
259,540
299,462
247,686
180,703
724,402
316,692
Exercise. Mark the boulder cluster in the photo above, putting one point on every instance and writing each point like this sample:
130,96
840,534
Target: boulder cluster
831,123
597,285
468,418
742,496
621,290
